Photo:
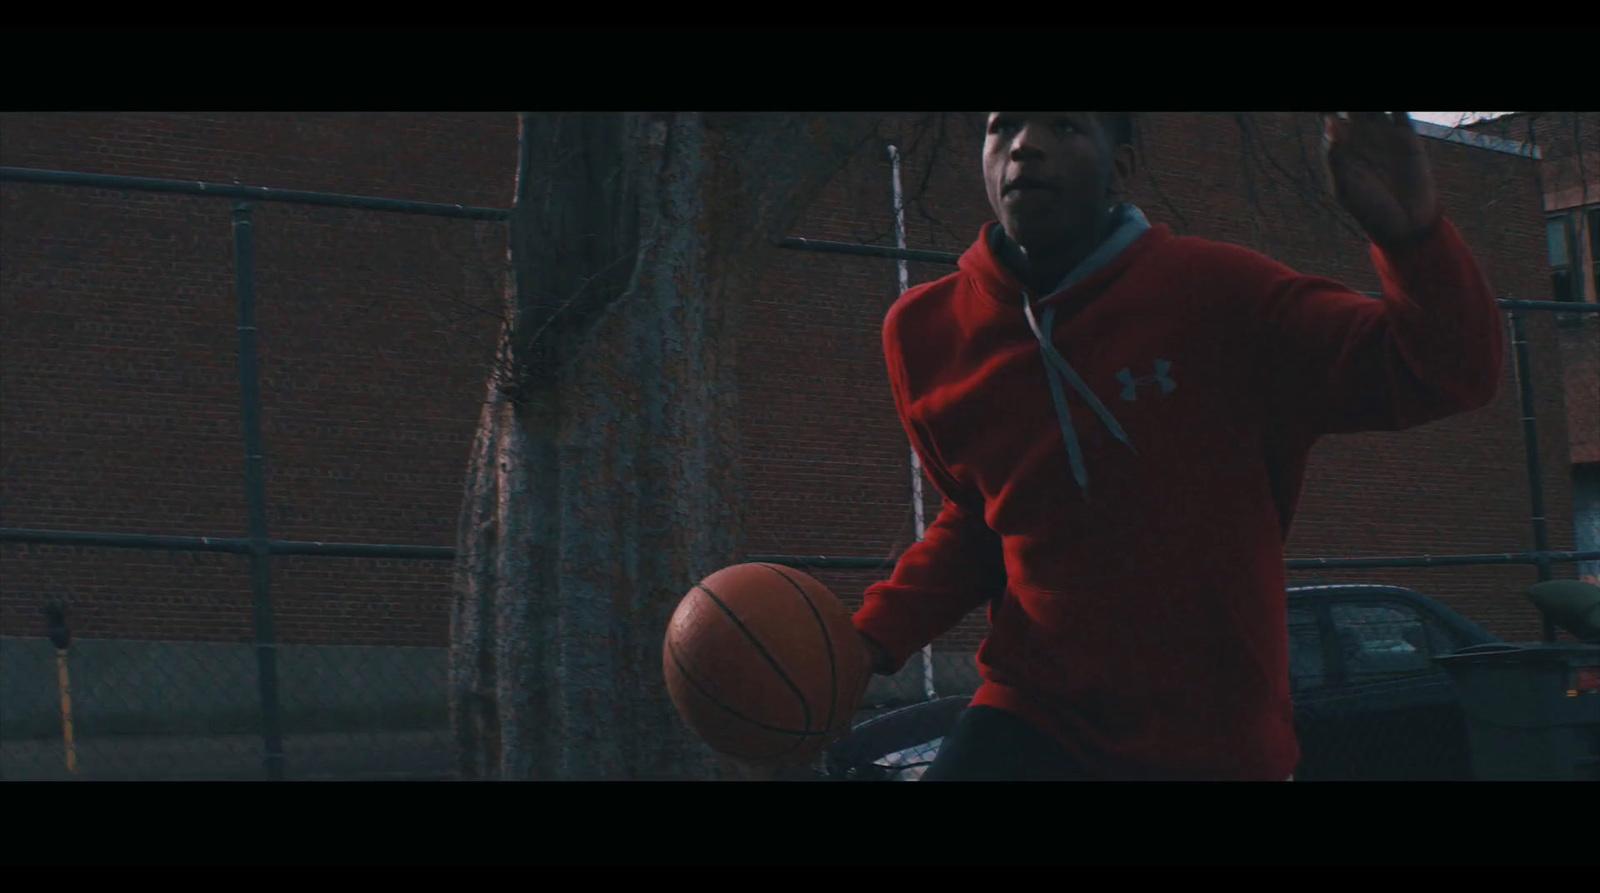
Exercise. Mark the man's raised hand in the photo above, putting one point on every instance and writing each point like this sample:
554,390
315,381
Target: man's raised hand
1380,174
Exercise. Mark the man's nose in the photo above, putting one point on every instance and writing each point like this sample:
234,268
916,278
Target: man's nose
1026,143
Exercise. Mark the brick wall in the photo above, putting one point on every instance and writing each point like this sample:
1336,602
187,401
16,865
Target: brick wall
120,382
1569,144
1569,173
118,387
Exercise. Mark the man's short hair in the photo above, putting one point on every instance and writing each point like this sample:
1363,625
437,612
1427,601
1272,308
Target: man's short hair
1118,126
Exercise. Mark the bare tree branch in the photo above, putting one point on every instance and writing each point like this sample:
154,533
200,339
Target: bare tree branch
1309,185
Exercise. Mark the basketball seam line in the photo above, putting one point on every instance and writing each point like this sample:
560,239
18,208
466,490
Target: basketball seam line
805,708
689,678
827,641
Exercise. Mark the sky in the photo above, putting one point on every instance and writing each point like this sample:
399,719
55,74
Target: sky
1453,119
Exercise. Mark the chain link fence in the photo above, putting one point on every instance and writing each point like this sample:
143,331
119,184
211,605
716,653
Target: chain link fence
1370,703
177,711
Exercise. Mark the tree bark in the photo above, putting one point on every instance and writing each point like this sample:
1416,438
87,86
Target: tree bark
605,479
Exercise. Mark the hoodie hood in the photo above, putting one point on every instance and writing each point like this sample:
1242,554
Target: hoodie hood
982,262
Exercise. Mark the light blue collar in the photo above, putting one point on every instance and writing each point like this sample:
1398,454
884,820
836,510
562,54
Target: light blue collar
1130,225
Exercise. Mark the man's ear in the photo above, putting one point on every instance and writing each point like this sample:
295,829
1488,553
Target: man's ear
1124,166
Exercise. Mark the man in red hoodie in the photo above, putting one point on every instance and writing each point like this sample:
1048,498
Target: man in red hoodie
1118,420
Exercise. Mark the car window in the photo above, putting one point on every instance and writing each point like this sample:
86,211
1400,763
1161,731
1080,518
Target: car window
1306,666
1383,640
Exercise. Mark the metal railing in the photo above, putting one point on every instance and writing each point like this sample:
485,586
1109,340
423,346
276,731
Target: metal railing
260,547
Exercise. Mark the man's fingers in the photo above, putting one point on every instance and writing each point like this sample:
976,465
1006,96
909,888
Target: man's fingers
1402,119
1334,128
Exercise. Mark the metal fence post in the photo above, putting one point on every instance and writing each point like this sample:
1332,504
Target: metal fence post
255,487
1530,442
903,280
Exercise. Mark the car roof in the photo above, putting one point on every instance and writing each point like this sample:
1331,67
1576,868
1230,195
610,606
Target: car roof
1355,589
1444,612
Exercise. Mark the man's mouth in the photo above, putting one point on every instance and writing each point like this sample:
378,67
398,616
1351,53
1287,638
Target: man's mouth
1027,183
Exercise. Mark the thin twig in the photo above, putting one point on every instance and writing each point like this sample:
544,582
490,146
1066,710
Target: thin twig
1310,190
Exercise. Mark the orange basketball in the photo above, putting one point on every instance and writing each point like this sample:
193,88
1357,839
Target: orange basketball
763,663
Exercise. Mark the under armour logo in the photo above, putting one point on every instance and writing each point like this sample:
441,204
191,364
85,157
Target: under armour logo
1130,385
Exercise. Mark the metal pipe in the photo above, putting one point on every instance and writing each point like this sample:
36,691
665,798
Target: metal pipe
363,550
1530,442
233,545
1443,560
1553,306
249,193
903,281
446,553
1514,304
825,247
124,540
255,491
823,562
1504,558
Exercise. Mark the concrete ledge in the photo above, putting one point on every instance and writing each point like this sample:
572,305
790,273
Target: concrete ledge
124,687
1474,139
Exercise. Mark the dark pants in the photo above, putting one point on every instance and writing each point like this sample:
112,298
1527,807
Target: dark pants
993,745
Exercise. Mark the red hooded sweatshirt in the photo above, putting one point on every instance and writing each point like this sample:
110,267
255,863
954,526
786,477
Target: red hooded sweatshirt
1122,506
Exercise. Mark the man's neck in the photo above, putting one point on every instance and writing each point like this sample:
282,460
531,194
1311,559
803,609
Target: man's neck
1041,274
1042,271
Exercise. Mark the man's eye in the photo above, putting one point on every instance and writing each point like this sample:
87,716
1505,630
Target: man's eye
1063,127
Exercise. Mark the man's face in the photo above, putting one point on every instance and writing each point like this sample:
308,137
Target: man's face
1048,175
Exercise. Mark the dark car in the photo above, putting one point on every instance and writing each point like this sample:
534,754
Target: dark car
1370,702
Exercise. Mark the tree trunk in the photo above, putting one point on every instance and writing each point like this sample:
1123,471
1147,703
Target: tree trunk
604,479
